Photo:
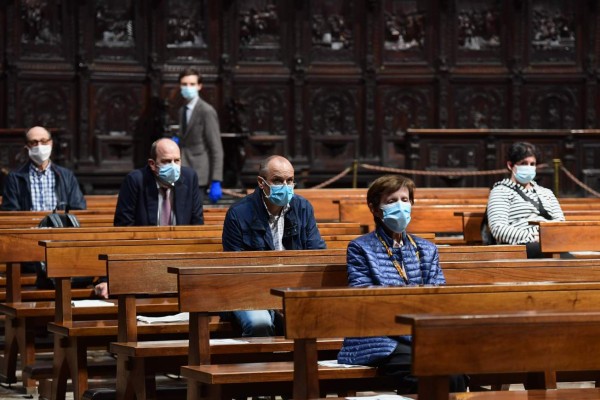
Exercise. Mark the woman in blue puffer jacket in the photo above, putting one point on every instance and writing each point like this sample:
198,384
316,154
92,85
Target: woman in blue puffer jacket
390,257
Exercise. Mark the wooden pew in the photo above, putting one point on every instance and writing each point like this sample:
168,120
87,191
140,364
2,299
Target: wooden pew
68,259
21,245
351,312
324,201
136,358
502,343
424,218
570,236
468,272
471,221
153,264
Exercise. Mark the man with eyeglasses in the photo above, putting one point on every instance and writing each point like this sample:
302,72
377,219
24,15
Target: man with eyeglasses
39,184
271,218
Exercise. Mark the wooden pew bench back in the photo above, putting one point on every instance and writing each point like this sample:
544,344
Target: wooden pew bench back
501,343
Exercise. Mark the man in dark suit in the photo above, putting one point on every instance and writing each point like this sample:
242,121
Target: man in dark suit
144,193
161,193
200,137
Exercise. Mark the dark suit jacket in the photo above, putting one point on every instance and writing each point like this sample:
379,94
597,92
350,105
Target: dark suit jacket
138,199
201,147
17,190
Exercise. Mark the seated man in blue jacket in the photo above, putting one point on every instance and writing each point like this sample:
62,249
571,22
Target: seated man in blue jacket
41,185
271,218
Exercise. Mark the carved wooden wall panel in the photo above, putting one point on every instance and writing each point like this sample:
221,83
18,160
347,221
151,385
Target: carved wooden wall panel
479,106
323,82
554,107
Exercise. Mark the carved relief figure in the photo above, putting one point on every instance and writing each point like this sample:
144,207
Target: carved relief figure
331,26
404,109
478,26
404,26
186,24
114,24
553,28
40,25
259,24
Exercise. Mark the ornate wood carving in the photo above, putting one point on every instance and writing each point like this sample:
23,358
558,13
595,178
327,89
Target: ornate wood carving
479,35
553,31
480,107
117,33
183,31
259,31
46,104
554,108
320,81
116,111
334,122
40,28
332,30
404,31
399,110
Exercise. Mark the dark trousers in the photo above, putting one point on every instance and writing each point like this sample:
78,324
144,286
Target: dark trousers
398,364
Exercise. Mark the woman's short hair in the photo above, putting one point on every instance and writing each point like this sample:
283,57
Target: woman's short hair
520,150
389,184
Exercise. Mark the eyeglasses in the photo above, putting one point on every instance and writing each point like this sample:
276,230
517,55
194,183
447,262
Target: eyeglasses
33,143
279,182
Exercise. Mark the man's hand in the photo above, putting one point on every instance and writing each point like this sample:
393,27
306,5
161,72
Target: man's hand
101,290
215,193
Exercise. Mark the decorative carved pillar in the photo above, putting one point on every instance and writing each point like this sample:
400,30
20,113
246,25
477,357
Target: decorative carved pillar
593,30
83,157
10,67
442,65
369,74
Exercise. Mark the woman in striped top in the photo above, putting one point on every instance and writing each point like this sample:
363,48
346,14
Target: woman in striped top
515,201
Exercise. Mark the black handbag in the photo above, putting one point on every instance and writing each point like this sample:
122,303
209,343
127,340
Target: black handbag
57,220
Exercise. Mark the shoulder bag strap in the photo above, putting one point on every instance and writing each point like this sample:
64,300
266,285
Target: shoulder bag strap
537,204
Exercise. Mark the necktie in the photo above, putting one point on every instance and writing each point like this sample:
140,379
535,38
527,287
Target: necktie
183,120
165,211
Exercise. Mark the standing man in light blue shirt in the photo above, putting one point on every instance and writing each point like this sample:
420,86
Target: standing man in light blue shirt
200,137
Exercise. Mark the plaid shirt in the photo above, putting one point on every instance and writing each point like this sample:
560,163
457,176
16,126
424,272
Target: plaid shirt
276,225
43,195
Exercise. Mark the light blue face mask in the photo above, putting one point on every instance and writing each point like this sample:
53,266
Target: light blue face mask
525,173
280,195
396,216
169,173
189,92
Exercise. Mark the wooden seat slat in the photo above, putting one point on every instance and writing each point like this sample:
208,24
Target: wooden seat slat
499,342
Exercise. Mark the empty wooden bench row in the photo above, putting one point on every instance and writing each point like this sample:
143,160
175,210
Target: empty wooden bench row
551,341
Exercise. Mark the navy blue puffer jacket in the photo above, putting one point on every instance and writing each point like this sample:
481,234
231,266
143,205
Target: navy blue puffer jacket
369,265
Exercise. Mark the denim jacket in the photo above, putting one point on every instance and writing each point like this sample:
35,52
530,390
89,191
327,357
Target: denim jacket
246,226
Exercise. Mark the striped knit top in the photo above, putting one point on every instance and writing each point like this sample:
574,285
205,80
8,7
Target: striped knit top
508,213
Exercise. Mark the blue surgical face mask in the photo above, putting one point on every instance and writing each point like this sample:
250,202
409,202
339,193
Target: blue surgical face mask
189,92
280,195
169,173
525,173
396,216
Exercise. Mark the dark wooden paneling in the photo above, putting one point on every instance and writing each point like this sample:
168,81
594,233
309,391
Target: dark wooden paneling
323,82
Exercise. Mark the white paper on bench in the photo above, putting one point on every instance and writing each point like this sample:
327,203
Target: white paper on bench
92,303
228,341
380,397
181,317
335,364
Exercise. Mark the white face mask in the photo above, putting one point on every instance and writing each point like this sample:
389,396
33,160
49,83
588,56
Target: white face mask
40,154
